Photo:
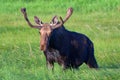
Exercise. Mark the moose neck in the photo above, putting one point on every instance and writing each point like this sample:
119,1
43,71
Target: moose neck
57,37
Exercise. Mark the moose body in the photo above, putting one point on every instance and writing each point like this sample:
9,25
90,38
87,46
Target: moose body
69,49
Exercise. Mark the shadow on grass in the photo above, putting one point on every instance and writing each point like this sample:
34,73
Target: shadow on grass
112,66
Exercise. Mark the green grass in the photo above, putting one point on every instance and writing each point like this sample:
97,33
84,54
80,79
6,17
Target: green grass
21,58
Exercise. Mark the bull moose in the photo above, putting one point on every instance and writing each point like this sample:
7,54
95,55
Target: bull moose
69,49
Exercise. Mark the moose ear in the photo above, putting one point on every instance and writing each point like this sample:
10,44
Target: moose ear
37,20
55,20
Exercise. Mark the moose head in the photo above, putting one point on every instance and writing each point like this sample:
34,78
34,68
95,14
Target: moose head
45,29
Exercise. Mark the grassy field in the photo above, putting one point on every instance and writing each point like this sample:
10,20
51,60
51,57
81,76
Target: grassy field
20,57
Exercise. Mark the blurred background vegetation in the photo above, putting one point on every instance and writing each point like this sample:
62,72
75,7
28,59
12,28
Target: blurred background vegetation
20,57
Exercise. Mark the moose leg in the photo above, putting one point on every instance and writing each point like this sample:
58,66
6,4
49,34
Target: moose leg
62,64
50,65
66,64
91,62
49,61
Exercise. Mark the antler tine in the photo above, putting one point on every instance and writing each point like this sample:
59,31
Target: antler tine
59,24
69,13
23,10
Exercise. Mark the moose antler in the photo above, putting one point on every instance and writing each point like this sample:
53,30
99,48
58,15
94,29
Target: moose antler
23,10
69,13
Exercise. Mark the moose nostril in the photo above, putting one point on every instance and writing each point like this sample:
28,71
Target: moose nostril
42,47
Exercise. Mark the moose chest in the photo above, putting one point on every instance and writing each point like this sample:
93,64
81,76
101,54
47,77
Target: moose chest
52,55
